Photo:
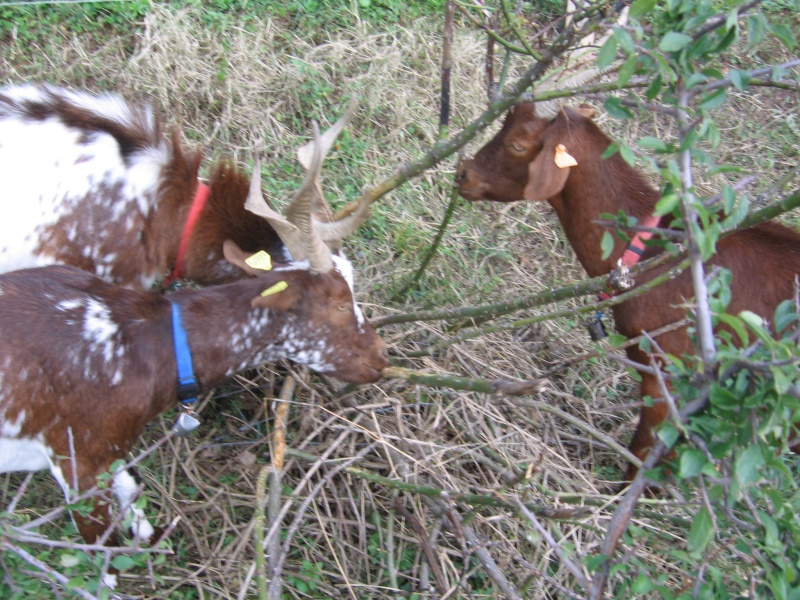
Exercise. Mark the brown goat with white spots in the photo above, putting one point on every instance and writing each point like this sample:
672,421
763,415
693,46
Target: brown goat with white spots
91,181
519,164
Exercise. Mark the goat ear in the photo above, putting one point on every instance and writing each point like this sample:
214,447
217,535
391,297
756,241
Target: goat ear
545,177
586,111
238,258
282,301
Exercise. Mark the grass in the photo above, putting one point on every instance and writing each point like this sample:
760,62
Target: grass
232,72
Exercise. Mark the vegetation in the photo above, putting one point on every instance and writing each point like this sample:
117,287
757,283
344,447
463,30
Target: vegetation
426,485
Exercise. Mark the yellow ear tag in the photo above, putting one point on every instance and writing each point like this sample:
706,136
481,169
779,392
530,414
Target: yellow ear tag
278,287
259,260
563,158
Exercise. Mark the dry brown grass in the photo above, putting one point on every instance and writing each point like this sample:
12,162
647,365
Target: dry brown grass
358,538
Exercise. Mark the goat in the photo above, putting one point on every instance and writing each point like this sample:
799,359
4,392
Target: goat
86,364
91,181
520,163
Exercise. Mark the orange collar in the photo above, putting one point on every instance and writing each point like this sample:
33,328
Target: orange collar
199,202
635,249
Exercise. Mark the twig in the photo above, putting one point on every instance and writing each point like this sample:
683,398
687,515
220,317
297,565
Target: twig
491,311
479,331
448,215
577,573
480,552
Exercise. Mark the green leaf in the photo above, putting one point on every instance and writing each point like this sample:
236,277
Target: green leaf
668,434
666,205
780,380
615,340
674,42
748,465
756,30
122,562
640,8
735,323
702,531
625,40
612,149
714,100
752,319
654,88
606,244
613,106
69,560
691,463
627,70
594,562
627,155
738,214
607,54
653,143
739,79
784,33
642,585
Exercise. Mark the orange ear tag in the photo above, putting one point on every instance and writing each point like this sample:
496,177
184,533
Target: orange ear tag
274,289
563,158
259,260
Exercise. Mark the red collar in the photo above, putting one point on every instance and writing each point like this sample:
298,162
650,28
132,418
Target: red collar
635,249
199,202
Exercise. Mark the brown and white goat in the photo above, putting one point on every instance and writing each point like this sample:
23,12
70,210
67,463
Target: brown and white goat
85,364
519,163
91,181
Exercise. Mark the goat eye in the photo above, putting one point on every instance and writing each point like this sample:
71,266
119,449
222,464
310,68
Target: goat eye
517,148
343,307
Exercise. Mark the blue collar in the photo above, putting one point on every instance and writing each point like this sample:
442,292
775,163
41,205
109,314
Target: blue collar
188,388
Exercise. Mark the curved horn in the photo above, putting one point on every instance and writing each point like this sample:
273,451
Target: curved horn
577,72
335,231
319,255
305,155
287,232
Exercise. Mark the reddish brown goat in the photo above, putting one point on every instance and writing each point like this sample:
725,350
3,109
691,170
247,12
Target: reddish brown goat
85,365
519,164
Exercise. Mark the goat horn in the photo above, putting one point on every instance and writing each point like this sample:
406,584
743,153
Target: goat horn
577,59
287,232
305,155
319,255
335,231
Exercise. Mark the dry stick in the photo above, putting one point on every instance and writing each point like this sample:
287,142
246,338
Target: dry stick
301,510
258,532
621,518
447,63
477,500
479,550
495,501
444,123
576,571
443,502
424,540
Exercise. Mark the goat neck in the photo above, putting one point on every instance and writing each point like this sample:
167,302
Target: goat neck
596,186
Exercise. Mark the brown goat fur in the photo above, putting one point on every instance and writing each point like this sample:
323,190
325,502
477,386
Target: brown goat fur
85,364
518,164
92,181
